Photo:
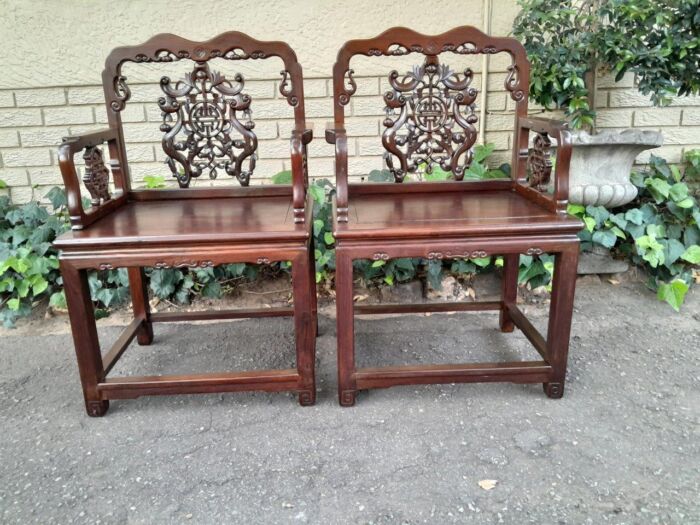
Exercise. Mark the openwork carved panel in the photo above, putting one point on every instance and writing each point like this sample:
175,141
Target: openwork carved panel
208,126
539,162
430,117
96,176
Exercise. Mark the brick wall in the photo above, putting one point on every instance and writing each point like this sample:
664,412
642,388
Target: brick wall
33,121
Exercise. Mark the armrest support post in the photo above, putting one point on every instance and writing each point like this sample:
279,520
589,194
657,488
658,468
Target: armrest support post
103,202
338,136
560,132
300,174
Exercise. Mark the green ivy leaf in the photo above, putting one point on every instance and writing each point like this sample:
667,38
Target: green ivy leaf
377,264
317,193
212,289
283,177
634,216
328,238
605,238
692,254
673,293
13,304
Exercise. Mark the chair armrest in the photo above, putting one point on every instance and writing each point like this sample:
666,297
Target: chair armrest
338,136
96,178
301,136
539,160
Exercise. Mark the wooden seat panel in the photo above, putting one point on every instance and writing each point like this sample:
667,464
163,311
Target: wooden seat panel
237,219
459,213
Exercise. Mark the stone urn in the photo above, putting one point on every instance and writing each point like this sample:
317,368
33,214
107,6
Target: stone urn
601,165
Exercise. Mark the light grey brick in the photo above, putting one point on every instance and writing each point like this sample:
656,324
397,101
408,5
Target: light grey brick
15,118
318,149
363,165
315,88
142,132
272,109
44,176
86,95
658,117
367,106
682,135
319,108
321,167
258,89
42,136
496,101
626,98
500,121
362,127
40,97
691,117
369,146
7,99
68,115
139,153
614,118
273,149
26,157
265,129
21,194
14,176
8,138
366,86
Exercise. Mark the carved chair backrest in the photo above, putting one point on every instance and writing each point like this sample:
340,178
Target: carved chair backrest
206,118
431,111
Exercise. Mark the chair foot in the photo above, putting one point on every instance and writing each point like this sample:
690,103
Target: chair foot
554,390
144,336
96,408
307,398
507,327
347,398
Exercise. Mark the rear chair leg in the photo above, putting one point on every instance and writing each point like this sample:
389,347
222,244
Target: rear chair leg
87,345
345,319
509,287
304,290
139,299
560,312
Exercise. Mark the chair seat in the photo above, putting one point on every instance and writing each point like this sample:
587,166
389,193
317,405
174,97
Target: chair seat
456,213
192,221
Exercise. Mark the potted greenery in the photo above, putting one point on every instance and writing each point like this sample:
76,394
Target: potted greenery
569,42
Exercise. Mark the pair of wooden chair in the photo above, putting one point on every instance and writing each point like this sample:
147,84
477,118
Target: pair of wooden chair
207,127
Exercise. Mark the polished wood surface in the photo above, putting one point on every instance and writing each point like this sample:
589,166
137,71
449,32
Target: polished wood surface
525,214
189,227
461,213
192,221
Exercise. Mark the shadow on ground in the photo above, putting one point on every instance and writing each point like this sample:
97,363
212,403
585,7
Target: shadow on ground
621,447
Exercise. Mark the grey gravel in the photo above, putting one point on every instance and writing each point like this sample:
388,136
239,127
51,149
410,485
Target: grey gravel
622,446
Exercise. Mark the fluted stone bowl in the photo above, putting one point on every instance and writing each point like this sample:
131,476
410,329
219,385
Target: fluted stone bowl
601,165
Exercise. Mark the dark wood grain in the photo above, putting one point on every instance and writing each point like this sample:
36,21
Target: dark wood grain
189,227
452,219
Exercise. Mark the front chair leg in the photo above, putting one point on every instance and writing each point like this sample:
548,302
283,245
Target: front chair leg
345,319
139,300
509,287
304,290
87,345
560,312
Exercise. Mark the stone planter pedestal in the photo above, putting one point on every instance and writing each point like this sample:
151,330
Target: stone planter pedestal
601,165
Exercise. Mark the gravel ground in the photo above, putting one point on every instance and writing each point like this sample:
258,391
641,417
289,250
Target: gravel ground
622,446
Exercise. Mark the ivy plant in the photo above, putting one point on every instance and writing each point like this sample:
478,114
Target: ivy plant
658,230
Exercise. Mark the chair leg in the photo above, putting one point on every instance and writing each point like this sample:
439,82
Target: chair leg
560,313
304,288
87,345
345,319
139,299
509,287
312,277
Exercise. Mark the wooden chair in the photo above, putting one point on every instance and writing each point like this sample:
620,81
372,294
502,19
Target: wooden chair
431,118
207,128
